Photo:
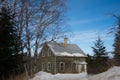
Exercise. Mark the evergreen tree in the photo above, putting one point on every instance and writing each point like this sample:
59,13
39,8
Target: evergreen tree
9,41
117,44
99,49
100,56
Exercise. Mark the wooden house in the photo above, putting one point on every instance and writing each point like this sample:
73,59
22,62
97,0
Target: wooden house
62,58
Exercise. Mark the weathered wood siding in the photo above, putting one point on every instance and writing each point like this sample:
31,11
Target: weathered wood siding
46,59
69,64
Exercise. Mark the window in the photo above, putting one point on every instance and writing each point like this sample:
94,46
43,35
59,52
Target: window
43,54
49,52
62,66
49,66
43,66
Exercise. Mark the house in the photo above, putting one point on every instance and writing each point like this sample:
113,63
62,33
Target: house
62,58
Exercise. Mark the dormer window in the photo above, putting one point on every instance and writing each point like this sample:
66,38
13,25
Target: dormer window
49,52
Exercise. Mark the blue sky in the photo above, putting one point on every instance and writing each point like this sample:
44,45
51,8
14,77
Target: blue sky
89,18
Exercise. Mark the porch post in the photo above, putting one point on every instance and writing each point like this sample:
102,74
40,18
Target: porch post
85,67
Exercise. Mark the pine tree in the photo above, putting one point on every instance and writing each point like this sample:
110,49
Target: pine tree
100,55
9,42
99,49
117,44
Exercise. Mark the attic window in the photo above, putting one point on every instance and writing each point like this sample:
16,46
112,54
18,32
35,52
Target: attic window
62,66
49,52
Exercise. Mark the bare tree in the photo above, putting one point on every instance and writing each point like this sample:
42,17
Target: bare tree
38,20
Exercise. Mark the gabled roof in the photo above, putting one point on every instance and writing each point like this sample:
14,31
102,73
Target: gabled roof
60,49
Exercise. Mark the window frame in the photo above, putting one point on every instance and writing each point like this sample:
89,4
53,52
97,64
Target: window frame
49,66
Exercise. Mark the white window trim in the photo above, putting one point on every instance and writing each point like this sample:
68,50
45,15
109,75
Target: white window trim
43,66
63,66
49,66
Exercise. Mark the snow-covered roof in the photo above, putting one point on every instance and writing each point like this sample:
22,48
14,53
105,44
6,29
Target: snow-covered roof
60,49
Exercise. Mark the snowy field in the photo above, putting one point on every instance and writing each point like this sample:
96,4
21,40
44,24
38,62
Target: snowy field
111,74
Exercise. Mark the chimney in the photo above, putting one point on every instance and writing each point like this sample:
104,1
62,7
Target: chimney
65,40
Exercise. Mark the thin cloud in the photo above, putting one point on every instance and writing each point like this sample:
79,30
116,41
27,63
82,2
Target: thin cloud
86,21
90,36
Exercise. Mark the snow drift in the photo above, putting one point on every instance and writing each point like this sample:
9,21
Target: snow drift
48,76
111,74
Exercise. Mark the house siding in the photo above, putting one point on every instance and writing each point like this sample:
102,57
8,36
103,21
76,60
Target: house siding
46,59
69,64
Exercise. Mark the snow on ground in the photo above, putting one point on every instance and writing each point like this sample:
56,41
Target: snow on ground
111,74
48,76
